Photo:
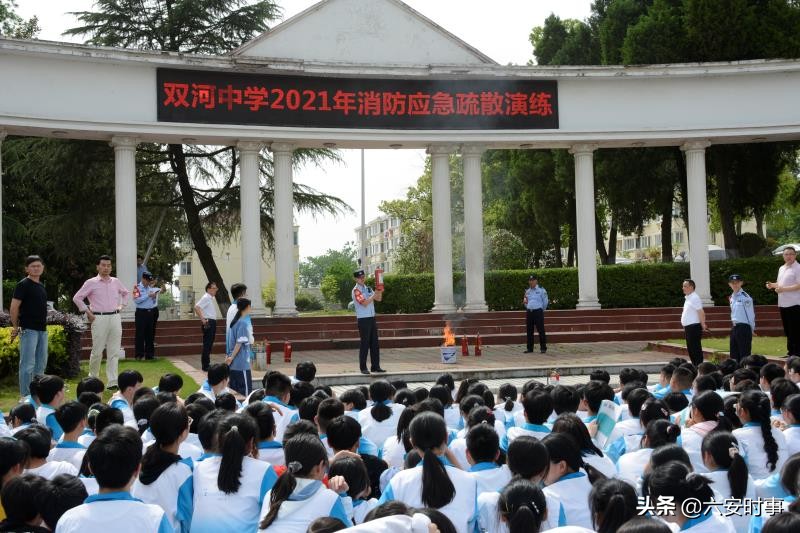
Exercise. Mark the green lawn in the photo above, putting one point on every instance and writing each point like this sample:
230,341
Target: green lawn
151,370
775,346
338,312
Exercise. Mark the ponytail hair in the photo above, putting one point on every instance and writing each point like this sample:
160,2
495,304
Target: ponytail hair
241,305
167,423
527,457
428,431
613,502
480,414
653,409
562,447
570,424
303,453
660,433
724,450
236,435
758,407
712,407
380,391
507,393
676,480
523,506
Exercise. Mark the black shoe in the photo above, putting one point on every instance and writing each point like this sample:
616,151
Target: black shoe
365,371
379,370
543,350
112,388
528,351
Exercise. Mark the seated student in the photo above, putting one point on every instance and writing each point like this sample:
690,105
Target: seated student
480,414
681,381
307,410
299,496
304,371
91,432
571,425
452,415
634,399
278,387
269,450
569,481
229,488
612,503
328,409
216,383
631,466
763,446
627,376
207,433
483,450
5,431
170,383
707,415
238,348
114,458
352,468
768,373
105,417
727,470
566,399
38,440
676,402
537,406
791,417
600,375
522,507
20,498
652,409
50,393
142,409
71,416
354,402
165,479
506,405
676,482
792,365
394,448
58,496
780,389
380,421
592,398
90,384
13,457
625,413
432,483
344,434
664,377
227,402
129,382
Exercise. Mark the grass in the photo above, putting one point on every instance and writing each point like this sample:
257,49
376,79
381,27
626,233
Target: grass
338,312
774,346
151,371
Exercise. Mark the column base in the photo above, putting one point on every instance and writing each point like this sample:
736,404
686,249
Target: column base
443,308
285,311
258,312
707,301
476,307
588,304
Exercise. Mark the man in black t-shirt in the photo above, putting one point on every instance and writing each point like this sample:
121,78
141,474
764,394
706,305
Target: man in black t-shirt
29,320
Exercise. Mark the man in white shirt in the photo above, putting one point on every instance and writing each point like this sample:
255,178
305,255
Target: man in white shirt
788,289
207,313
693,320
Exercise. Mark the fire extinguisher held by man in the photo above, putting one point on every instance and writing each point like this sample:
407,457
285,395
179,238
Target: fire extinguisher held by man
364,299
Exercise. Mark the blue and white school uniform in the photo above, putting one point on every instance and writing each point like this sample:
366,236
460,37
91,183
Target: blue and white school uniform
376,431
572,494
406,486
173,492
631,465
489,518
459,448
722,491
114,511
353,413
5,431
309,500
68,451
531,430
241,375
692,442
271,451
51,469
394,452
751,441
21,427
217,512
712,522
119,402
361,508
46,416
605,465
452,416
186,449
792,435
490,476
288,415
499,428
87,437
90,484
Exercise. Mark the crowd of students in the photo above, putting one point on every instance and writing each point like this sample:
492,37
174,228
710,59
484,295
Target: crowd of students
292,457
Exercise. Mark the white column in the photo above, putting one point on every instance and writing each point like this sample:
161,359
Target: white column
125,214
473,229
585,215
250,198
442,231
698,217
2,136
284,229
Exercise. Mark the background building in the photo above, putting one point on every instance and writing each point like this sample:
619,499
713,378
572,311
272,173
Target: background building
382,237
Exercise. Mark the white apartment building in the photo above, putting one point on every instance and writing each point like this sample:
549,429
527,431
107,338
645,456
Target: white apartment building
382,236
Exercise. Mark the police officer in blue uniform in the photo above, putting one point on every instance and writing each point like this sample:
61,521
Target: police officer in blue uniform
535,302
364,300
146,306
743,317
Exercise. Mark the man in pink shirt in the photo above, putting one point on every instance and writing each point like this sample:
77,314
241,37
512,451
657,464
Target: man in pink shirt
107,297
788,289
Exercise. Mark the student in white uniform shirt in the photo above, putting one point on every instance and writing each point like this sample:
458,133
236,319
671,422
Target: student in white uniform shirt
536,406
631,426
675,481
446,488
571,425
379,422
231,486
507,405
71,416
480,414
354,402
569,481
791,417
165,478
129,382
62,493
269,449
299,497
394,449
452,414
351,467
727,469
50,392
115,458
707,415
612,502
763,446
483,450
38,439
631,466
652,409
278,388
522,507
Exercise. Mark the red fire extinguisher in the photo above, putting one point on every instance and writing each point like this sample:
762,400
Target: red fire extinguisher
378,279
268,348
464,346
287,352
478,345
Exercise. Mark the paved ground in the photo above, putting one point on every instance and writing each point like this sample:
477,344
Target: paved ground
404,360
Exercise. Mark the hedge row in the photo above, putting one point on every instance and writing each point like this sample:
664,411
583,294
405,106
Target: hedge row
63,344
637,285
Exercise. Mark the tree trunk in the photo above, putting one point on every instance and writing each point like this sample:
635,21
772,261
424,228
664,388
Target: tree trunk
727,220
573,241
599,241
680,164
612,242
666,228
199,241
557,248
759,216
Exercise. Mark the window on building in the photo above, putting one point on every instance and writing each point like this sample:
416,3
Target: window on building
629,243
296,237
677,237
186,268
657,239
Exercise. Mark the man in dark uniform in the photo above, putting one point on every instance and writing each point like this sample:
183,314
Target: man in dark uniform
364,300
743,318
146,299
535,302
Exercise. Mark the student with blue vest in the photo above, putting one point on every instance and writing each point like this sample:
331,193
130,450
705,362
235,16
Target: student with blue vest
114,459
379,422
537,406
38,439
72,418
570,424
727,469
763,445
352,468
593,395
483,450
129,382
743,317
432,483
299,496
522,507
238,349
535,302
277,389
269,450
658,433
50,391
165,479
791,417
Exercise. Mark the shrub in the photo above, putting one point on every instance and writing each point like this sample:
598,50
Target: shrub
751,245
307,302
336,288
63,344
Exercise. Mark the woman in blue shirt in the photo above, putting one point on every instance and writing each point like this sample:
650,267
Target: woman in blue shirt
238,349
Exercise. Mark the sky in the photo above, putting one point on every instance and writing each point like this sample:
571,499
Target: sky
499,28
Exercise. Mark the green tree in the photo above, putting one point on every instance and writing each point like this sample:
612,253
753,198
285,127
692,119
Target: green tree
783,216
204,178
313,269
505,251
12,25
